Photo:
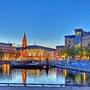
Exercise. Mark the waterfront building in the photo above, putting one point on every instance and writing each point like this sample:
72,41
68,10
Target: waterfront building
58,50
70,41
81,37
85,39
78,36
8,50
35,52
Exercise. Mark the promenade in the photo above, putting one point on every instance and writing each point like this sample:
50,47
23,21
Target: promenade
78,65
43,88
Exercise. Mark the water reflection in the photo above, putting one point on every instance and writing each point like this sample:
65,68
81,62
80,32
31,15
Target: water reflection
48,76
6,69
77,77
65,72
47,72
84,77
24,76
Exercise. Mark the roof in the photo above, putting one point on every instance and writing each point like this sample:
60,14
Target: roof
70,36
60,46
9,44
35,47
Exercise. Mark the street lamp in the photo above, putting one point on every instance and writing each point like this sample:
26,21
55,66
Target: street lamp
89,52
65,55
84,54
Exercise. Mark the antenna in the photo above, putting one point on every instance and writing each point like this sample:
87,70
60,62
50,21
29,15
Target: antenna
29,42
34,42
8,41
13,43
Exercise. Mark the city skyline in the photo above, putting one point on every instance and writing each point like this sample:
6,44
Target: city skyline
44,22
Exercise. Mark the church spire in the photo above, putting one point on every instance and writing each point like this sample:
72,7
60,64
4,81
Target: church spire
24,41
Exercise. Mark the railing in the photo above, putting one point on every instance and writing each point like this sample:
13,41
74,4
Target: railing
44,85
4,62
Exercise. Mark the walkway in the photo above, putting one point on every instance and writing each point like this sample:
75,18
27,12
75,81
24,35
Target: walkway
44,88
80,65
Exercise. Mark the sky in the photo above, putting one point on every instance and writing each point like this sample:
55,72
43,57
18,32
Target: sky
45,22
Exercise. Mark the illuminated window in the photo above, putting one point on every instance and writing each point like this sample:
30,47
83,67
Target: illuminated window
78,33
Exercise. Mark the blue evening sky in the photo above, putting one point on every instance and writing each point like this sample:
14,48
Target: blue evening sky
45,22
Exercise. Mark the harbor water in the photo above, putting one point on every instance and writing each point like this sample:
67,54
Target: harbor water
43,76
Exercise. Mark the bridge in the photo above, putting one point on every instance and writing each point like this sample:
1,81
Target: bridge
65,64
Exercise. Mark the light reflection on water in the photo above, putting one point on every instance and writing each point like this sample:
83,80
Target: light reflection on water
51,76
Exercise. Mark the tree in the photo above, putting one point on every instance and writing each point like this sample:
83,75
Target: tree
72,52
88,49
69,52
80,51
64,52
1,54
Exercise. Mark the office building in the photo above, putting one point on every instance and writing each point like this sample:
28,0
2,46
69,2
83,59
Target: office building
81,38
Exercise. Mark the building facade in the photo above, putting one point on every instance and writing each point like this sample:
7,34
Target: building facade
78,37
86,39
8,50
34,52
58,51
81,38
70,41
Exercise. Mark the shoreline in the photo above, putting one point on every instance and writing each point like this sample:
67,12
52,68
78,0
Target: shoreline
83,66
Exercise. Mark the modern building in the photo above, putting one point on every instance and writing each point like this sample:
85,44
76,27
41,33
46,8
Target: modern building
70,41
81,37
85,39
78,36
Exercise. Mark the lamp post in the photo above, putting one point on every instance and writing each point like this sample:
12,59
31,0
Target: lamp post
89,52
65,55
84,54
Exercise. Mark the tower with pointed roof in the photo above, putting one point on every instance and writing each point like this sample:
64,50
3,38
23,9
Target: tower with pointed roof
24,41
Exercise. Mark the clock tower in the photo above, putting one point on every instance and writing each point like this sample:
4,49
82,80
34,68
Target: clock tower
24,41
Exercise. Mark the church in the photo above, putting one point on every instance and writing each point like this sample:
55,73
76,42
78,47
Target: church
34,52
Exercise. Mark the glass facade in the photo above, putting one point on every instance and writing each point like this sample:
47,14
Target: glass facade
78,37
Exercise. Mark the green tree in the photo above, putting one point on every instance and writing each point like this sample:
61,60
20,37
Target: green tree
88,50
69,52
72,52
80,51
1,54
